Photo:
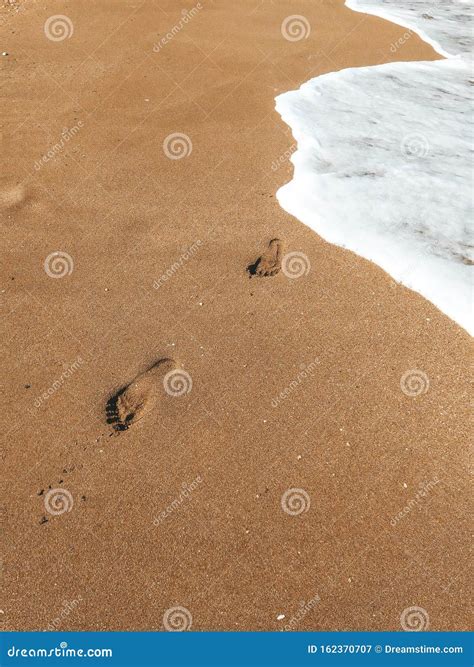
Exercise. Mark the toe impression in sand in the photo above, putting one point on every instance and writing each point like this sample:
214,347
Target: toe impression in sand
135,400
269,264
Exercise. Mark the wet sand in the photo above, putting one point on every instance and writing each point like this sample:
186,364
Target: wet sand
289,383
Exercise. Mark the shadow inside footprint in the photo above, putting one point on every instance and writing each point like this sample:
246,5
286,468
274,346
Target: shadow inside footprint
112,412
131,402
268,264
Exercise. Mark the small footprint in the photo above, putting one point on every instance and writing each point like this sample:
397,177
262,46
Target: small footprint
269,264
135,400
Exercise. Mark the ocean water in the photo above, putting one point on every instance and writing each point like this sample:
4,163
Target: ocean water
384,165
445,24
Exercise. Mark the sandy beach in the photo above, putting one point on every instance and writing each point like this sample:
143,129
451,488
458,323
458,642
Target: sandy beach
281,470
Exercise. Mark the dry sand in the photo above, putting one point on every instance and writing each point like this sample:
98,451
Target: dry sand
134,544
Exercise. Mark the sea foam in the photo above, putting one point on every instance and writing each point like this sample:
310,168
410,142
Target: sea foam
384,159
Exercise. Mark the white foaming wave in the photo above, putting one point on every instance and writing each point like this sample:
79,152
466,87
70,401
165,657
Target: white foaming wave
384,160
445,24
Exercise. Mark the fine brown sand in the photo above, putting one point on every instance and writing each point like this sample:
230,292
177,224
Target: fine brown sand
283,383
